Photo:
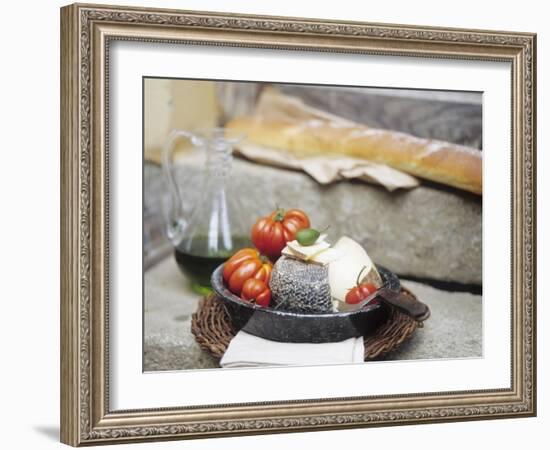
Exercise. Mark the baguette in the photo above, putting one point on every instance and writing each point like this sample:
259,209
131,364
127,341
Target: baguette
439,161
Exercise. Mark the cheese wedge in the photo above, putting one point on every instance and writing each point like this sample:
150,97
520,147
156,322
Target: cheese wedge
322,258
308,251
327,256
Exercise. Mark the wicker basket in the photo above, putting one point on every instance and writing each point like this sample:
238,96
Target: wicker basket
212,328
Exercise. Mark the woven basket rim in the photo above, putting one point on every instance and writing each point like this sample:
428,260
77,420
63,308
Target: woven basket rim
212,328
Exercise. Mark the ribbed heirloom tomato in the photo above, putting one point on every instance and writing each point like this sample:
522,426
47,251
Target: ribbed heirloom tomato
243,265
256,291
271,233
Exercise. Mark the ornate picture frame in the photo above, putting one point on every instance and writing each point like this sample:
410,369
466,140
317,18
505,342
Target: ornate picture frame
86,34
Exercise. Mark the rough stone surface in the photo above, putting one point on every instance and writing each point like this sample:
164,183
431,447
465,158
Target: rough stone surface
168,305
428,232
453,331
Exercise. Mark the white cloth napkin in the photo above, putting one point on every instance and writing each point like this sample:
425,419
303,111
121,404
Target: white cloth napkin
246,350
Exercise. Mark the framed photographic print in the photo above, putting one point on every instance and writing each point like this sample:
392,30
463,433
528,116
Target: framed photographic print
278,224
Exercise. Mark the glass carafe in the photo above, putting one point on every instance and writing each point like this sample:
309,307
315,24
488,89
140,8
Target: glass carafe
214,230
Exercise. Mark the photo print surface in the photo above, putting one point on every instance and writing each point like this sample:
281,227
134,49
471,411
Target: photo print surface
290,225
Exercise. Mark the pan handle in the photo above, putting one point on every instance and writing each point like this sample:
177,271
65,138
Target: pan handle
406,303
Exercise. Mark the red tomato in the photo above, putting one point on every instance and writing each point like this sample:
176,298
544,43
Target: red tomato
245,264
360,293
256,291
271,233
264,274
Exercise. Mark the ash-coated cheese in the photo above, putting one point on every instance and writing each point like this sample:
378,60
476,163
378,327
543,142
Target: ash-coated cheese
301,287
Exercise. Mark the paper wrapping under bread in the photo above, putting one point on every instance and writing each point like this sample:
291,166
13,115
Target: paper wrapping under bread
306,135
326,169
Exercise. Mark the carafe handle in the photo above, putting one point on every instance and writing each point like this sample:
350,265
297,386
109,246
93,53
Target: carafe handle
176,221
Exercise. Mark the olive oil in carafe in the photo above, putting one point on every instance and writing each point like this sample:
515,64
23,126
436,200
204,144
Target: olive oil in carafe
199,266
215,227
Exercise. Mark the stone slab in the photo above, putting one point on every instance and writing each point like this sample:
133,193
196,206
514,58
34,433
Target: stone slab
427,232
168,306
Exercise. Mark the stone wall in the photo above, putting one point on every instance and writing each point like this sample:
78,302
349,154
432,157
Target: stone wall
427,232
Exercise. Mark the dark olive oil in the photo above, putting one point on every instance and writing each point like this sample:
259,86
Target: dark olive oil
199,267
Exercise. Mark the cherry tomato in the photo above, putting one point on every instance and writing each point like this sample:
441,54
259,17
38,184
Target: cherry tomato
256,291
243,265
361,290
271,233
360,293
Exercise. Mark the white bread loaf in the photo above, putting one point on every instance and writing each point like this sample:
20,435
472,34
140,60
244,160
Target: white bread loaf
439,161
